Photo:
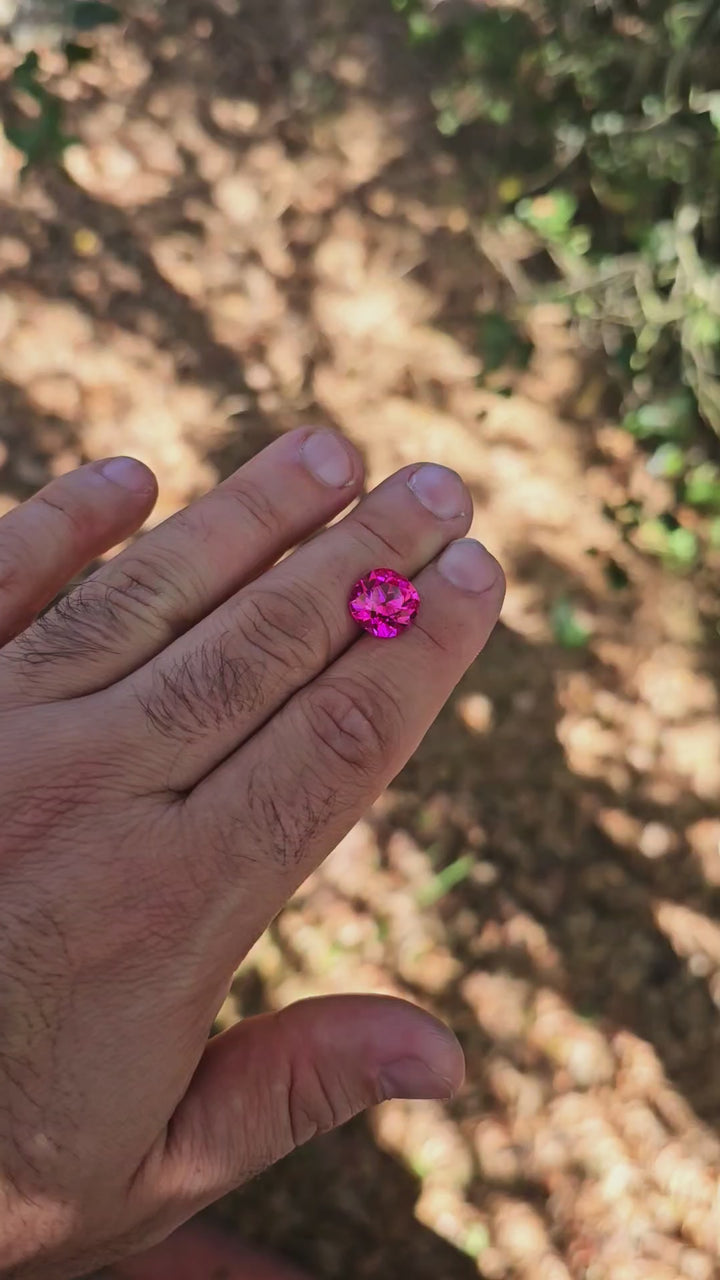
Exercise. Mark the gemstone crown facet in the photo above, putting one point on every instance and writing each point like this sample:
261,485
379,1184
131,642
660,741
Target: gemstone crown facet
384,603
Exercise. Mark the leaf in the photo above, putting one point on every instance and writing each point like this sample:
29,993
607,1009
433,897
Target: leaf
704,329
446,880
628,514
668,462
448,122
477,1240
607,122
568,628
683,547
76,53
702,486
43,138
501,343
652,537
661,242
615,576
672,417
550,215
86,15
27,70
665,538
509,189
25,78
579,240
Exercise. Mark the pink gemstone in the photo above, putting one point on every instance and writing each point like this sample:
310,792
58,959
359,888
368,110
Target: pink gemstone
383,603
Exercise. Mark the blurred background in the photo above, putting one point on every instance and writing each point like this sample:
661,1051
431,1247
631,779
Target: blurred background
486,234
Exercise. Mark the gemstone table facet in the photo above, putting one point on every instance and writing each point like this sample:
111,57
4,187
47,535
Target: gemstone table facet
383,603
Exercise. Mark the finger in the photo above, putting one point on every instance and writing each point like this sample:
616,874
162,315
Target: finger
273,1082
202,1250
47,540
217,685
154,591
275,808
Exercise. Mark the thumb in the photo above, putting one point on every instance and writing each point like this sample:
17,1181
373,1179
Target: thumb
273,1082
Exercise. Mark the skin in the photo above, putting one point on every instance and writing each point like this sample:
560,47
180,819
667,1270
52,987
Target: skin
183,738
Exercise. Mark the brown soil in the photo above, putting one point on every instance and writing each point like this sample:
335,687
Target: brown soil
261,227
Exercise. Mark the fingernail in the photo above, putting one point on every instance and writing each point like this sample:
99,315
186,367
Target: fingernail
328,459
128,473
469,566
440,490
413,1078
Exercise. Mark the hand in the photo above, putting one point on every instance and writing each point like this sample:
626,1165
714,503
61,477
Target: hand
183,738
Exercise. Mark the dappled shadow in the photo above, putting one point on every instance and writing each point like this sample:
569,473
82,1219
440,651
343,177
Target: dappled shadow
29,441
342,1207
595,899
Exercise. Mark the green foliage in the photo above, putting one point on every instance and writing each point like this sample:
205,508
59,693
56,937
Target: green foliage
702,486
446,880
596,126
567,627
477,1240
75,53
38,132
671,418
615,576
550,215
40,137
675,545
501,343
669,462
86,15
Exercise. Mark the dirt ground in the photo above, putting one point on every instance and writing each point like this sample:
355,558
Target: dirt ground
259,228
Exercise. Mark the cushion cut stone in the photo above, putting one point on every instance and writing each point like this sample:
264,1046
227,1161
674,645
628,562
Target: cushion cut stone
384,603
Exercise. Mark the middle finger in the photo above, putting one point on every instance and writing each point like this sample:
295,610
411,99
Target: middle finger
214,687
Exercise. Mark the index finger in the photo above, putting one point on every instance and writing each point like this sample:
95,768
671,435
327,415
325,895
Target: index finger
154,591
48,539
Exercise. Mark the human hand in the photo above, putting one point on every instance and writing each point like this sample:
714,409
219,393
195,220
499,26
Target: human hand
183,738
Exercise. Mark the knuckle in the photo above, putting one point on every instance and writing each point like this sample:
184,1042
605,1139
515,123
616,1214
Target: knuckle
13,565
200,691
441,639
134,589
103,612
72,519
256,504
315,1103
75,627
352,722
153,591
375,539
12,579
280,627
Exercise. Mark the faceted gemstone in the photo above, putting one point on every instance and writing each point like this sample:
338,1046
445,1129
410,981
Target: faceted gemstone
384,603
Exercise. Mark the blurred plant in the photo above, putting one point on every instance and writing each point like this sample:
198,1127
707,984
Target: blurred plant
596,127
34,122
501,342
568,628
443,881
